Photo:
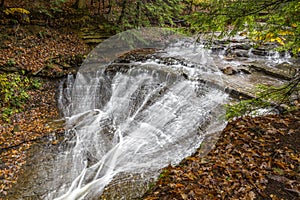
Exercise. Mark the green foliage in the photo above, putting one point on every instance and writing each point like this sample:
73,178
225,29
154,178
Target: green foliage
133,14
56,5
263,20
13,93
11,62
287,95
245,107
164,174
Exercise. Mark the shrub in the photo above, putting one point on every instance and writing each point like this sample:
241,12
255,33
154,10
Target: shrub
14,93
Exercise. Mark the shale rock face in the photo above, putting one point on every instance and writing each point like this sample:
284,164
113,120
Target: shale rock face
94,35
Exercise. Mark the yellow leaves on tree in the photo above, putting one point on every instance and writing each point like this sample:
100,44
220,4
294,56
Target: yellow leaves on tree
273,37
270,38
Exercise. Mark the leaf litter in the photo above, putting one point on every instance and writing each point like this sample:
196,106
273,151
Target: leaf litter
30,52
254,158
25,129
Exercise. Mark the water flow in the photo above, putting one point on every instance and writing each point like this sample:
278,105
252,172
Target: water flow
136,119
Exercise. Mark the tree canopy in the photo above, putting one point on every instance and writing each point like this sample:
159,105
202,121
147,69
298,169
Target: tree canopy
263,20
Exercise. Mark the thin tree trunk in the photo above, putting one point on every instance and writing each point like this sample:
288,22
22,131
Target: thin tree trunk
123,11
138,13
2,3
109,7
105,8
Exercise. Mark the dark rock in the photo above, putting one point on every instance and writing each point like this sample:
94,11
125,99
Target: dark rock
245,71
229,70
242,53
270,71
259,52
242,46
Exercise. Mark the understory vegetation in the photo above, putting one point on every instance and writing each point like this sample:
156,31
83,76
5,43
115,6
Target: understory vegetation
284,98
14,93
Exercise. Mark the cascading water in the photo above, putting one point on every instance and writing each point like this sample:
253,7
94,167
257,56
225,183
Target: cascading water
135,117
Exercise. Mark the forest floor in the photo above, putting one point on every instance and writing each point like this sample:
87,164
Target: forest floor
46,51
253,158
23,129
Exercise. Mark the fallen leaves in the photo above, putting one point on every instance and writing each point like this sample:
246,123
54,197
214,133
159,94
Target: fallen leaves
34,49
47,49
255,158
25,128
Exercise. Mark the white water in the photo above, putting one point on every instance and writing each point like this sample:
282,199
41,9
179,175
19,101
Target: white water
136,121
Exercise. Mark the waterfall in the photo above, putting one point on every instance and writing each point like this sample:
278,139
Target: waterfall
135,117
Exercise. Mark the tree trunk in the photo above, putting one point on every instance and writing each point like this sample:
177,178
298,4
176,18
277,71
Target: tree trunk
1,3
109,7
138,14
124,2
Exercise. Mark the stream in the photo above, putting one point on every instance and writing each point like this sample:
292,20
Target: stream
142,100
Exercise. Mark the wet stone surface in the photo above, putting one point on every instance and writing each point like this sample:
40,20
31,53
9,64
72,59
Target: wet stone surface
30,185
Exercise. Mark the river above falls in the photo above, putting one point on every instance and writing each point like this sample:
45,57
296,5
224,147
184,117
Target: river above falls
130,113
